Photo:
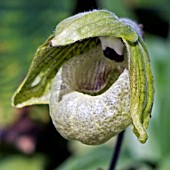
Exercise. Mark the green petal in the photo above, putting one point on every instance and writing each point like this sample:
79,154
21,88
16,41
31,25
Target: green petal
47,61
150,85
141,87
92,24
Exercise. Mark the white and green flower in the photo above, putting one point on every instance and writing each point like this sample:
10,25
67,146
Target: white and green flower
94,72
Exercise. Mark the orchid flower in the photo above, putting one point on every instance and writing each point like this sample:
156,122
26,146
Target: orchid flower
94,72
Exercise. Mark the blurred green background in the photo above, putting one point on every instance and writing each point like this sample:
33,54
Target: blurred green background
28,139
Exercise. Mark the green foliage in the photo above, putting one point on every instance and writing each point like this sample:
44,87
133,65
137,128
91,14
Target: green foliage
160,51
96,158
22,162
24,26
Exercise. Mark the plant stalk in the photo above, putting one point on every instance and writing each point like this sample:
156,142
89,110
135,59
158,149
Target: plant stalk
116,152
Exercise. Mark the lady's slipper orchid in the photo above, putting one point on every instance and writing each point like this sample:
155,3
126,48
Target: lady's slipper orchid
94,72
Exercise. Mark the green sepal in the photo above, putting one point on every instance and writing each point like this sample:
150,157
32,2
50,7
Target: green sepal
92,24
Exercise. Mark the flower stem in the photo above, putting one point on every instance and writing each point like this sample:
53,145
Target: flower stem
116,151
